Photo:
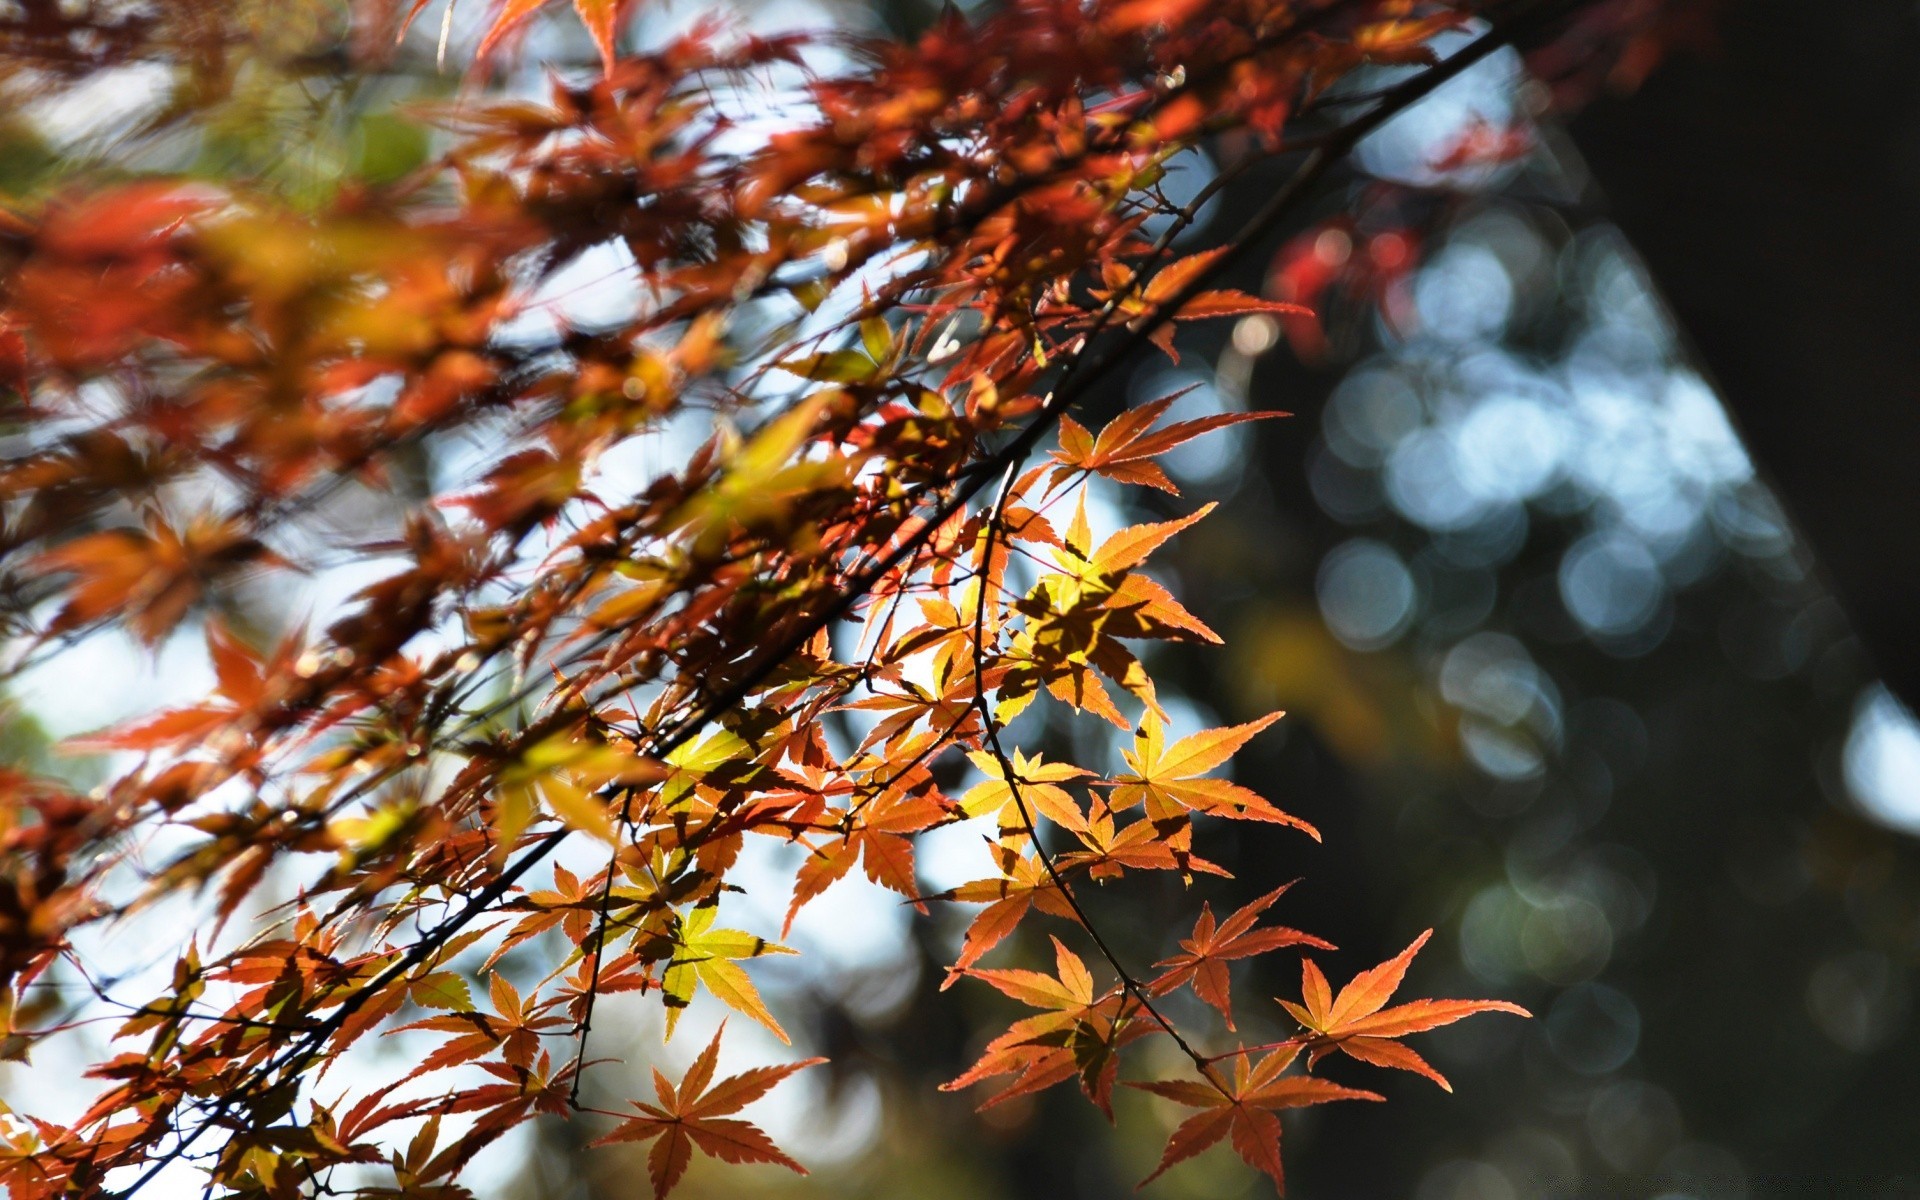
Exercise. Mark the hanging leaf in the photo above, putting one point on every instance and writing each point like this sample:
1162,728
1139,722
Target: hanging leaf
1355,1023
697,1116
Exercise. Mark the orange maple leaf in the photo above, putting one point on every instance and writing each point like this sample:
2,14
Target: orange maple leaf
1204,957
1355,1024
1170,780
879,834
1023,884
1079,1032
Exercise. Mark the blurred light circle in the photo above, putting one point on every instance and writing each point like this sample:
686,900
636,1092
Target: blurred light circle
1881,761
1516,238
1616,878
1493,540
1539,1163
1620,296
1390,251
1509,448
1619,436
1490,935
1464,294
1333,247
1424,484
1859,1000
1411,147
1347,493
1750,521
1701,442
1491,674
1455,600
1255,334
1369,413
1632,1124
1610,584
1664,514
1501,753
1366,594
1566,942
1594,1029
1465,1180
1693,558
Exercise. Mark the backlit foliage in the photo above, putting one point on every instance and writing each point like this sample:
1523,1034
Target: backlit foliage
885,308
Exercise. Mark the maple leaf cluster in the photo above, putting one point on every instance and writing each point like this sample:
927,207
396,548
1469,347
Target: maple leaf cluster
884,311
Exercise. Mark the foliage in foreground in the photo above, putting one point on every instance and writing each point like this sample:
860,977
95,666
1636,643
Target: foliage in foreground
886,310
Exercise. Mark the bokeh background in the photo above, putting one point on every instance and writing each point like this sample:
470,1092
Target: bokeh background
1581,569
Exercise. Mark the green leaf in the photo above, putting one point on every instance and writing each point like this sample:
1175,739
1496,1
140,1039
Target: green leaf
442,990
877,337
834,366
708,955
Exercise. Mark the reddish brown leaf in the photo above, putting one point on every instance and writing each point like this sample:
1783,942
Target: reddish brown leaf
1243,1108
692,1117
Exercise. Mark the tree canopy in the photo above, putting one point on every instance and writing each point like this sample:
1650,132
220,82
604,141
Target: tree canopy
784,549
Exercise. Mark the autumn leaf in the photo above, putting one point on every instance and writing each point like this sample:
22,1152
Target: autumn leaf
241,684
1130,547
1244,1109
1171,780
1023,789
1133,15
705,955
599,16
1078,1033
569,905
1204,956
150,577
696,1116
442,989
513,1030
564,773
1404,41
878,834
1024,884
1355,1024
1229,303
1076,618
1128,445
1177,275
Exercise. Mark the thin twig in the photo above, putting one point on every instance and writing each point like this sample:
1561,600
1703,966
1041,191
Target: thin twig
1015,782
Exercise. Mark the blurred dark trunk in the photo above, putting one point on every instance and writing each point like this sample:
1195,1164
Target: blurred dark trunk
1773,189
